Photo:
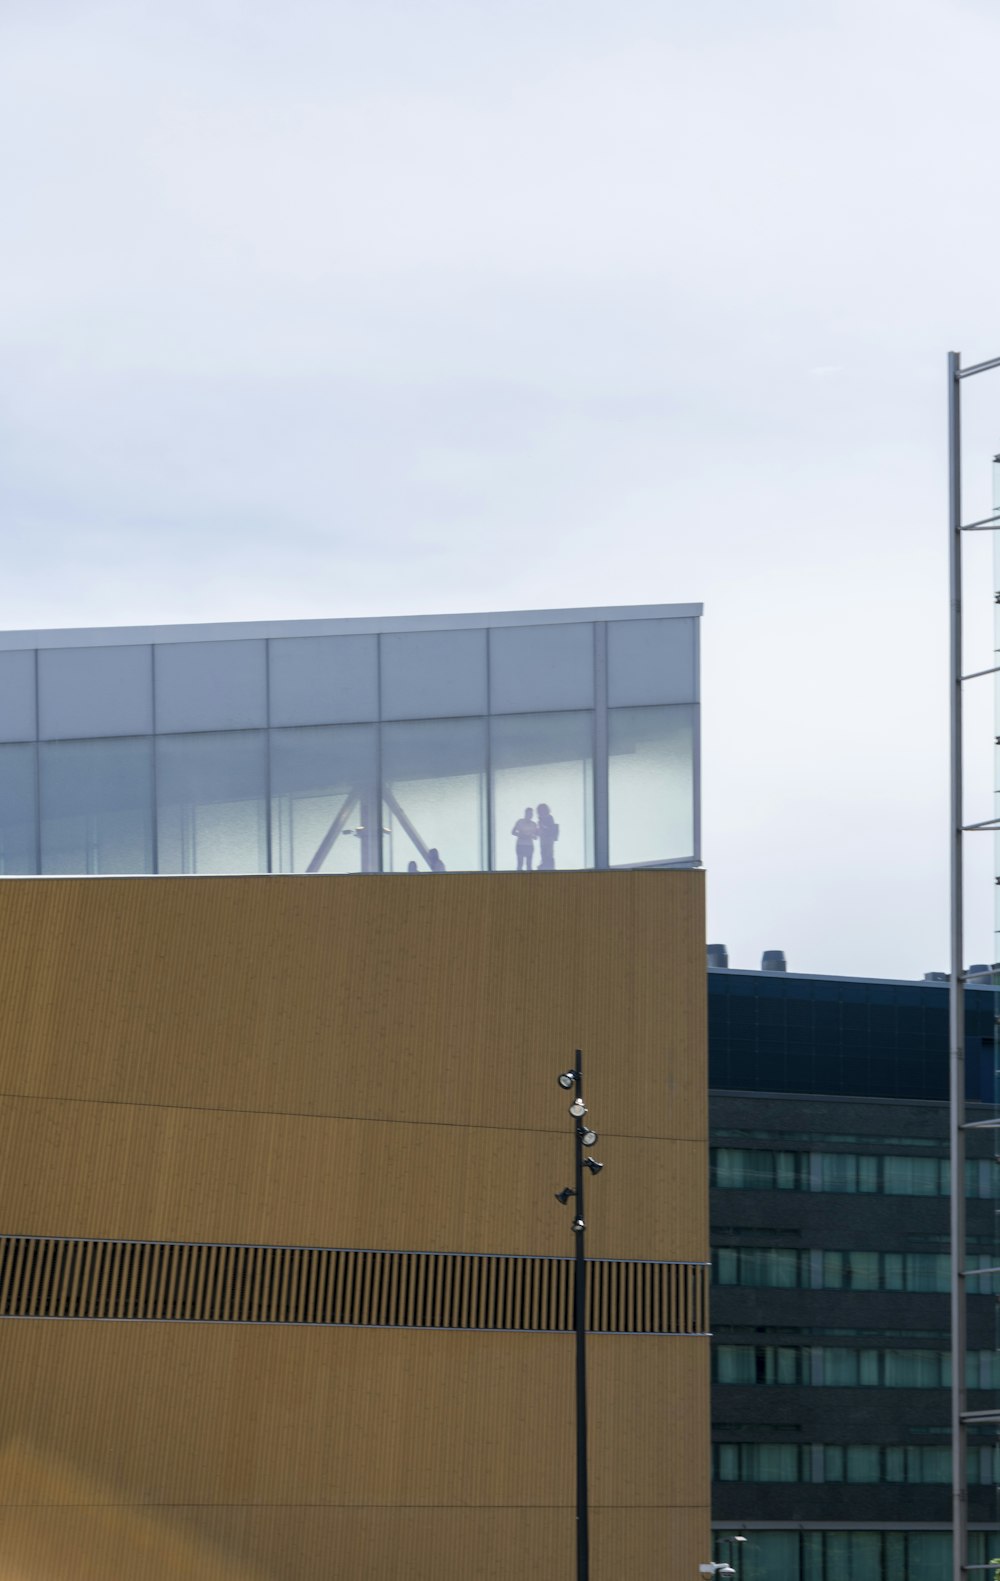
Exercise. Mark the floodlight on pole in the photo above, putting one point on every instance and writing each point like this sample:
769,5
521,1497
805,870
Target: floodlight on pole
582,1137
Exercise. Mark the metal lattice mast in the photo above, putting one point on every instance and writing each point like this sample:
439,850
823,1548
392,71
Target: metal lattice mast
957,1124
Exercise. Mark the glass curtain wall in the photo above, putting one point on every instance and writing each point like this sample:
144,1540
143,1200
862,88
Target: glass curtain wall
324,806
434,796
650,785
211,793
18,810
96,806
518,763
543,791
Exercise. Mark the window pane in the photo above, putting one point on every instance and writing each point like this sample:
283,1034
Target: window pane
853,1556
736,1364
838,1171
850,1270
867,1173
545,763
434,795
17,810
786,1171
911,1177
770,1462
650,785
863,1463
324,806
726,1266
840,1366
211,793
784,1365
97,805
927,1271
929,1555
912,1369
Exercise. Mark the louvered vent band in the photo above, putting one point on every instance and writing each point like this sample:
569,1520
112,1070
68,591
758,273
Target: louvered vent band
170,1280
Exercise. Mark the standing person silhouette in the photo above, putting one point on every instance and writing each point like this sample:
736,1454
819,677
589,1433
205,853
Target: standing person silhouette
525,832
548,834
434,861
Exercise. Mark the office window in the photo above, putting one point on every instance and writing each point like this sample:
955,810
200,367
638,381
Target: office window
736,1364
96,801
761,1462
842,1366
324,803
895,1175
862,1463
650,785
913,1369
779,1267
434,796
852,1463
913,1177
18,830
775,1267
850,1270
544,762
848,1172
855,1555
755,1169
212,802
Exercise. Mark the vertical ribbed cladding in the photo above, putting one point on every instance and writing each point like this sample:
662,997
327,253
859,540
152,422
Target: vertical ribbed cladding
184,1282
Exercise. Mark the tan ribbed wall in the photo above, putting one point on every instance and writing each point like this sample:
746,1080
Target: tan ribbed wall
346,1062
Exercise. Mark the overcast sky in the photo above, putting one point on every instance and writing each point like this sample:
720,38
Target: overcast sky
348,307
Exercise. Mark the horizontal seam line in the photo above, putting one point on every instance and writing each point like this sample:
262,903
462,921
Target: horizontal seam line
305,1114
193,1505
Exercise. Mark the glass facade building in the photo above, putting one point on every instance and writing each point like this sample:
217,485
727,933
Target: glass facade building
556,739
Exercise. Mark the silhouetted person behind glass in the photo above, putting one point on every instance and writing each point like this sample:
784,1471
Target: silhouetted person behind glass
525,832
434,861
548,834
411,867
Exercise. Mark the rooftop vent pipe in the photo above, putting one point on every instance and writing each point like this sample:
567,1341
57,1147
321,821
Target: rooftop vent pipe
718,955
773,961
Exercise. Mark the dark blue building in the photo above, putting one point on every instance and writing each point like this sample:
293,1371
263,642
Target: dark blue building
830,1175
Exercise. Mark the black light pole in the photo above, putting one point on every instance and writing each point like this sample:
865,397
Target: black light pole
583,1137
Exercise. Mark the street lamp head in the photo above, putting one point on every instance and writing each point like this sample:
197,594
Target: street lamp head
578,1226
588,1138
564,1195
567,1079
737,1538
595,1169
578,1108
